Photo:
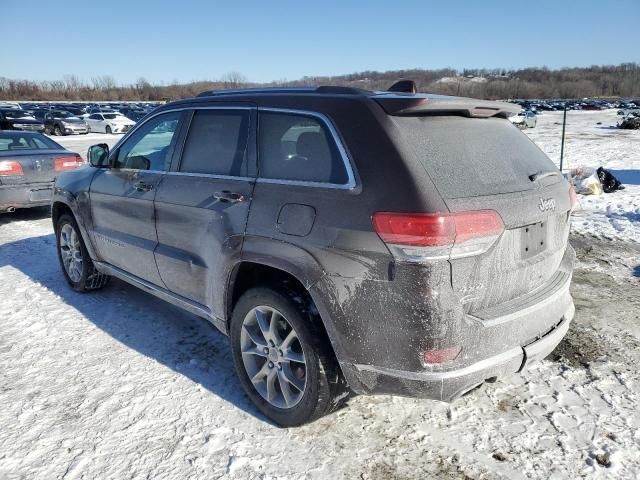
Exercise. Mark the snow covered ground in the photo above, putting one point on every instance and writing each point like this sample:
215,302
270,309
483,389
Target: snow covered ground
118,384
590,144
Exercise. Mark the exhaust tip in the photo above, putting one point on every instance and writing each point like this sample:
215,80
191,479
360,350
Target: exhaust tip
11,209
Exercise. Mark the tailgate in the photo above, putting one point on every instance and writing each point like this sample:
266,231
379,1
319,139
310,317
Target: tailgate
488,164
526,256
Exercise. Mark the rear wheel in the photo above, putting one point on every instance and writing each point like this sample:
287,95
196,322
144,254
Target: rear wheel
282,360
76,264
108,130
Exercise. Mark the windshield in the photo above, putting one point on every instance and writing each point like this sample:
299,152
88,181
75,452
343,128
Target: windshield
62,115
16,114
110,116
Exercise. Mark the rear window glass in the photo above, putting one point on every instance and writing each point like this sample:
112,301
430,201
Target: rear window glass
19,141
470,157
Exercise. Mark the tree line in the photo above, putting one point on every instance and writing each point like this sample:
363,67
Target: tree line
596,81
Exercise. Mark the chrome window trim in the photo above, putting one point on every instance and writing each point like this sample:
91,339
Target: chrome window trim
212,175
351,179
139,125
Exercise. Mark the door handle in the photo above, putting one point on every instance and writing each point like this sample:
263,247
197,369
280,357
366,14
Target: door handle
143,187
228,197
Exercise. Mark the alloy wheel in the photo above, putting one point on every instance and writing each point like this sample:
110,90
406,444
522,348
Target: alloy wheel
70,252
273,357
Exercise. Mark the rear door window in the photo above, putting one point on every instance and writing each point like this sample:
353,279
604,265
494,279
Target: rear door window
470,157
298,147
217,143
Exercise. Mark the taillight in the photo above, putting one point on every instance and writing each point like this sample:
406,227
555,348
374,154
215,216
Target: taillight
430,236
62,164
573,198
10,168
443,355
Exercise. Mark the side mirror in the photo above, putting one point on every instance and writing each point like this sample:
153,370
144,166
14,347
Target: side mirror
98,155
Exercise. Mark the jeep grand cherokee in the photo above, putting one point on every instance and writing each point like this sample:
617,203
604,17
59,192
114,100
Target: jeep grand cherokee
347,241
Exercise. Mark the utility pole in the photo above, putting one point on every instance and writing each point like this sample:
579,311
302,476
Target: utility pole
564,125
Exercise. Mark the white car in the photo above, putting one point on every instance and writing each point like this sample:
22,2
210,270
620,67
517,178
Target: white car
108,123
524,119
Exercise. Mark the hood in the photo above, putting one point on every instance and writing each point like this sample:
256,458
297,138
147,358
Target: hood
71,120
122,120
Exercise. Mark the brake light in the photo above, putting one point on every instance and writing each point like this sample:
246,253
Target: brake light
10,168
573,198
62,164
419,229
424,236
434,357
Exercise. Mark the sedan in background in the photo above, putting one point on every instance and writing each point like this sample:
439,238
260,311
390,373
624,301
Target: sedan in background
15,119
109,123
29,164
525,119
61,122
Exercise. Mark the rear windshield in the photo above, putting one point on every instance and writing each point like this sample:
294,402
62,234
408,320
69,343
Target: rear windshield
15,140
470,157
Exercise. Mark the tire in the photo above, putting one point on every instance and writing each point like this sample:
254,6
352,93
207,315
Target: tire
57,131
84,277
47,131
107,130
324,388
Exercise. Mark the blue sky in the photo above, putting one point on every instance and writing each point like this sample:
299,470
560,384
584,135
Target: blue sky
185,40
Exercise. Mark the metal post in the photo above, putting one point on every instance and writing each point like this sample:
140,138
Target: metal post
564,125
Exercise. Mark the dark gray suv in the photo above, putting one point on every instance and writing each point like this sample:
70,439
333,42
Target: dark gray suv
347,241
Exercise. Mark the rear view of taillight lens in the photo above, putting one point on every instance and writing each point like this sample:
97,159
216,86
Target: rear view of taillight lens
10,168
62,164
417,237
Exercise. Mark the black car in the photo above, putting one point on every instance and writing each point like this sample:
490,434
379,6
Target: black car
60,122
29,163
134,114
15,119
345,240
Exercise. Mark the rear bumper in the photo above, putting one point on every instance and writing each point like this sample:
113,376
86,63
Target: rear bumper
25,196
552,314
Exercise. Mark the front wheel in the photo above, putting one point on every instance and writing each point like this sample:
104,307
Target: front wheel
107,130
78,269
57,130
282,358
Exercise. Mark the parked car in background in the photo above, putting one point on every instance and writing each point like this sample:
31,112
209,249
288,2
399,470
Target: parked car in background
18,119
100,109
29,164
133,114
59,122
78,112
37,113
109,123
10,105
525,119
346,240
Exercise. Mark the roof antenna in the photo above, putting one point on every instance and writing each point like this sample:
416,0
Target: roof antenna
403,86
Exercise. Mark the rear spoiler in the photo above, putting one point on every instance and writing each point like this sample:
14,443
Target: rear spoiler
438,105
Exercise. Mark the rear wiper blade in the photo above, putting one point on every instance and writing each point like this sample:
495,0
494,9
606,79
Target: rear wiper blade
534,177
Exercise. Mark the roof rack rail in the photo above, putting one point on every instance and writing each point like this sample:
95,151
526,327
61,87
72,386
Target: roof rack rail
323,89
